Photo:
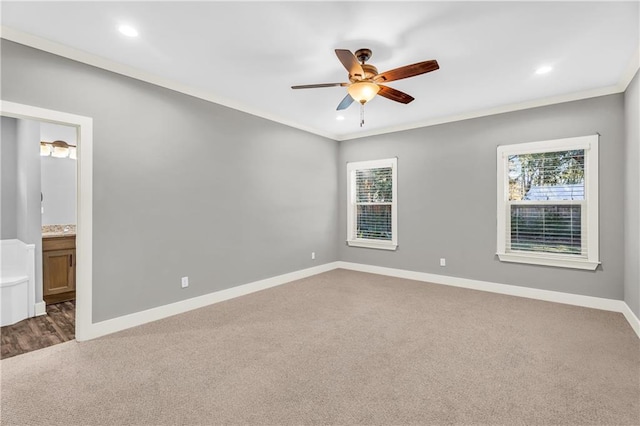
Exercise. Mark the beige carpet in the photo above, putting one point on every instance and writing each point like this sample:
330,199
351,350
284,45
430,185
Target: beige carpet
342,348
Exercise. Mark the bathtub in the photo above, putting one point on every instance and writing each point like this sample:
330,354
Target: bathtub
17,281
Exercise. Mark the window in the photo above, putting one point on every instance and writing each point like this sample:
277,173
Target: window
548,203
372,204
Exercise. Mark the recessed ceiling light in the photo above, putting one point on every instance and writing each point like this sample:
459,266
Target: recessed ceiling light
128,30
544,70
340,117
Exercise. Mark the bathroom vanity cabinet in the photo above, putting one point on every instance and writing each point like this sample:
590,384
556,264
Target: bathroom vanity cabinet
59,268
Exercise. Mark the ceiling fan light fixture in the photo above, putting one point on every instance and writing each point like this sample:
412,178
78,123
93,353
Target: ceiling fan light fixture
363,91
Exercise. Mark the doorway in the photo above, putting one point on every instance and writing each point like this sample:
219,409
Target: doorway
39,196
84,205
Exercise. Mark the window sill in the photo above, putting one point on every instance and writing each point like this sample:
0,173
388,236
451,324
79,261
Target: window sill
561,262
381,245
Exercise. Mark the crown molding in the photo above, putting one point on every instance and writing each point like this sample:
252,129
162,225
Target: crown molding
116,67
489,111
625,79
630,72
138,74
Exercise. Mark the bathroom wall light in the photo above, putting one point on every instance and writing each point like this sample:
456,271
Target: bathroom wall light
45,150
60,151
57,149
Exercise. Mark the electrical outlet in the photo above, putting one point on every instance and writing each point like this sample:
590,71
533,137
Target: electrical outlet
443,261
185,282
313,255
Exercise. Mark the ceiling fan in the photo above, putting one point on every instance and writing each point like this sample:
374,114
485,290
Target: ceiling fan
365,81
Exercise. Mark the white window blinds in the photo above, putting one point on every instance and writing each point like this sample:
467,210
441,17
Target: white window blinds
546,199
374,200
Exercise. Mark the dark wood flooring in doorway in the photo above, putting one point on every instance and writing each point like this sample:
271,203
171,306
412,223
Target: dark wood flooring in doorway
58,326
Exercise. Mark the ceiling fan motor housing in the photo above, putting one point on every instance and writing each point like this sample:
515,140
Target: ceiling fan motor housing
369,72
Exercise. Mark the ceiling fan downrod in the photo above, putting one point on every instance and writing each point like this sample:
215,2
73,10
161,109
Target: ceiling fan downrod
363,55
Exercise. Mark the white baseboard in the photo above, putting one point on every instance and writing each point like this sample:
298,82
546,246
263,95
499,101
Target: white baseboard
634,322
512,290
40,308
127,321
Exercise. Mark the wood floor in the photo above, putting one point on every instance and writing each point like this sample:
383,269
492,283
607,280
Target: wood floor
57,326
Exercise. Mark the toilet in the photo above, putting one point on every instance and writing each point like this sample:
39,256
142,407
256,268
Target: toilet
17,281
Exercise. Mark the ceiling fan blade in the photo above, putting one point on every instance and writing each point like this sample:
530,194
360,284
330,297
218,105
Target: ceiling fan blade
314,86
407,71
344,104
394,95
350,62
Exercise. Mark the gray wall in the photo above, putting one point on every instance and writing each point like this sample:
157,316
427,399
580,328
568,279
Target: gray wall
28,218
58,191
8,176
632,197
184,187
447,195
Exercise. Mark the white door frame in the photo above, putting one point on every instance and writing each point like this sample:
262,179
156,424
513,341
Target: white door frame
84,200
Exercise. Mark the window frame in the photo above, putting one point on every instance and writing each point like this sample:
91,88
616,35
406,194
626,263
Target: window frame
589,209
352,167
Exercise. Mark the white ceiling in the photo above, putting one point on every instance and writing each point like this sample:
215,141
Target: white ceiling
247,55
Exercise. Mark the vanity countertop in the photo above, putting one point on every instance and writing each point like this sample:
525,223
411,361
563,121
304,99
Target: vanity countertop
58,231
